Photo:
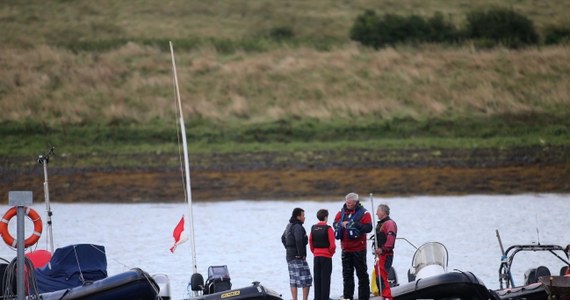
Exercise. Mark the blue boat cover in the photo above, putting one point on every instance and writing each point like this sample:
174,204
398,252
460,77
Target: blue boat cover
72,266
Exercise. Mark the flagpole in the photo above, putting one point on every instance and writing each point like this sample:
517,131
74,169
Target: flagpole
186,161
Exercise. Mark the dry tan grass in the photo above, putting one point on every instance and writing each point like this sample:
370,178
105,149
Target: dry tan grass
134,83
36,21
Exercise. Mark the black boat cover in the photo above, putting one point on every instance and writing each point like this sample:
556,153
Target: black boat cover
72,266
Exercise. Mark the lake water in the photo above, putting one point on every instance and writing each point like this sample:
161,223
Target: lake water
245,235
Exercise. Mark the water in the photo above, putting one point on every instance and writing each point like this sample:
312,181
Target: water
245,235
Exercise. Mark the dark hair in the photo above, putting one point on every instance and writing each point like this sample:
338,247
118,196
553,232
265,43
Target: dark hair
322,214
296,212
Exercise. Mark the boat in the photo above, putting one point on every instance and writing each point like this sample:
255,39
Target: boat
72,272
218,286
448,285
428,278
533,287
75,272
134,284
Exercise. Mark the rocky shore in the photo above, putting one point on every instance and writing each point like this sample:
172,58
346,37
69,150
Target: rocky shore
303,175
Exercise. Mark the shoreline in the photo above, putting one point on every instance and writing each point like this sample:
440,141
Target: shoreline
312,176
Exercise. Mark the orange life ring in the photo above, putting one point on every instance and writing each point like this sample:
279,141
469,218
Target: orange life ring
32,239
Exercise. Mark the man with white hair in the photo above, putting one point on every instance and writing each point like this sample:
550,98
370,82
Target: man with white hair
351,224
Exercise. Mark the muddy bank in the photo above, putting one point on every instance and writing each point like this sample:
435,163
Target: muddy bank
304,175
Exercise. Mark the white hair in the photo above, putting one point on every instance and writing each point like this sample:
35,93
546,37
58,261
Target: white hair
385,208
351,196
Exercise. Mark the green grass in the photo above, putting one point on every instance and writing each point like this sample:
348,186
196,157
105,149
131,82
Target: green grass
303,135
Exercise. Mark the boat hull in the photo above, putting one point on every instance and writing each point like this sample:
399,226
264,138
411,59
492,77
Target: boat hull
462,285
134,284
255,291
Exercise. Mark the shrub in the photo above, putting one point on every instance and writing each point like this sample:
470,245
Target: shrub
365,29
503,26
371,30
557,35
442,30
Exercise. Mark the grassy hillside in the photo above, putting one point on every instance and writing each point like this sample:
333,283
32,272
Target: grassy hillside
96,74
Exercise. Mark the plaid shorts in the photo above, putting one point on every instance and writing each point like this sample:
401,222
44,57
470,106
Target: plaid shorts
299,273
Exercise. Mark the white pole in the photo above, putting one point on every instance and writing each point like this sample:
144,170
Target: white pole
48,209
44,160
374,224
186,160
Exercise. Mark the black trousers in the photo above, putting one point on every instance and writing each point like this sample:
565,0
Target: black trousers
355,261
322,269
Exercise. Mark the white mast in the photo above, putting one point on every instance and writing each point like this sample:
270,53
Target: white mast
44,160
186,160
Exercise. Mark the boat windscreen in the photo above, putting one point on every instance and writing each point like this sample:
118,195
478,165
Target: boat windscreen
429,254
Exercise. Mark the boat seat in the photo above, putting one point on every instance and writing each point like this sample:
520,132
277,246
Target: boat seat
532,275
563,270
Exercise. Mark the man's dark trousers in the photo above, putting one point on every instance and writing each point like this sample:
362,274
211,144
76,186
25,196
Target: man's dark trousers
352,261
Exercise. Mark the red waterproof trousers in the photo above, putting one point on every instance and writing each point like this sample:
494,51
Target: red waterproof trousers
383,265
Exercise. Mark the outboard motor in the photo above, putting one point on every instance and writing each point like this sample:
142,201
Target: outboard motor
163,283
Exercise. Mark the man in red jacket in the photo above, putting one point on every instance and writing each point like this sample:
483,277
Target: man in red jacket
322,244
386,231
351,225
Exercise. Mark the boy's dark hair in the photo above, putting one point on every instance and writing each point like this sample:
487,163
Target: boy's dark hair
322,214
297,211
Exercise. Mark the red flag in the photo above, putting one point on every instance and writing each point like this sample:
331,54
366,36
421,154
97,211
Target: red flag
179,235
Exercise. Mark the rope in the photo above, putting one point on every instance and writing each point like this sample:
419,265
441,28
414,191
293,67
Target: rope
30,280
78,264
